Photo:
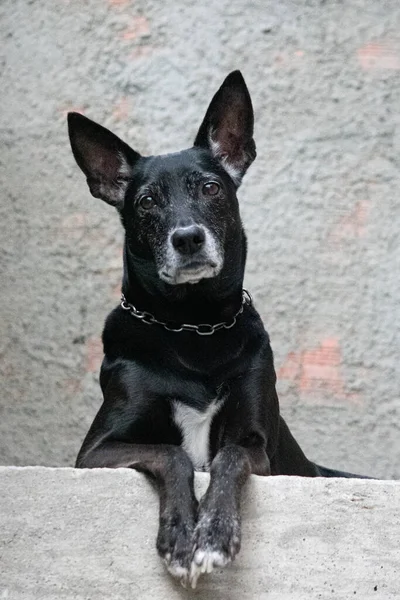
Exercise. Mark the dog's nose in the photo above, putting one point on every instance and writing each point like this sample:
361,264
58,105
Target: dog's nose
188,240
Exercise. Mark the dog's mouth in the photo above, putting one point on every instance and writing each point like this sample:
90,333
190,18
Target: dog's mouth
190,261
191,273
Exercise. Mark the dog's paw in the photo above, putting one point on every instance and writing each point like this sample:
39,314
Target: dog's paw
174,545
216,542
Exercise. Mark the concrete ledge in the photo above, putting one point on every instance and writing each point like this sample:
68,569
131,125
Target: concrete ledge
74,534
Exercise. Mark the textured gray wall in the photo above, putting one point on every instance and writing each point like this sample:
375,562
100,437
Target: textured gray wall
320,204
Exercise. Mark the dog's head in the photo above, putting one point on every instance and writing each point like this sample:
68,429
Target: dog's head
180,210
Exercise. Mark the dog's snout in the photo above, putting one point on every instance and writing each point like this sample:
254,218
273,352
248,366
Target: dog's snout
188,240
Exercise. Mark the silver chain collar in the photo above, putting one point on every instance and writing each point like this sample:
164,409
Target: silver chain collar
202,329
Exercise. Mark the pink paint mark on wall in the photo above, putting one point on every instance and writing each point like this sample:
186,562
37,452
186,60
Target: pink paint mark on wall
317,371
93,354
289,59
291,367
116,291
379,55
141,52
353,223
122,109
322,365
72,227
139,27
72,386
64,110
119,2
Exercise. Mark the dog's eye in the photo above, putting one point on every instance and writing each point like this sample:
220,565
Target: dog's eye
147,202
211,188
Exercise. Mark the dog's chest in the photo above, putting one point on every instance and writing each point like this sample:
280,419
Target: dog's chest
195,426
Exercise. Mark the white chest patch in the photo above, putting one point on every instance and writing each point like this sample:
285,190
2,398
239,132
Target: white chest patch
195,428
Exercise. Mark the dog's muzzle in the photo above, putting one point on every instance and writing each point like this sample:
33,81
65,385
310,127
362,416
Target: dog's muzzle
192,254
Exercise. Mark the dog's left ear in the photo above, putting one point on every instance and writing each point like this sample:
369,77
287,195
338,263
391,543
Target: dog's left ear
227,128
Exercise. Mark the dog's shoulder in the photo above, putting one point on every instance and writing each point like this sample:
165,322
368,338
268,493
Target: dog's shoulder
129,338
119,333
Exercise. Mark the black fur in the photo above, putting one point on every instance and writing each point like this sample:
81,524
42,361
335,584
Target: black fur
147,368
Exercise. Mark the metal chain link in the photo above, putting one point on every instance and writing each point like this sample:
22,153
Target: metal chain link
201,329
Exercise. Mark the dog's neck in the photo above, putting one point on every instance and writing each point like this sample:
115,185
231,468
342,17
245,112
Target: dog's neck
209,301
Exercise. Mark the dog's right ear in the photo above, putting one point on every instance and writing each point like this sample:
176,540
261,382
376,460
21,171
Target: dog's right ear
105,159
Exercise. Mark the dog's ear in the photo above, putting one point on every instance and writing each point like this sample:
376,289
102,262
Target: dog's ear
227,128
105,159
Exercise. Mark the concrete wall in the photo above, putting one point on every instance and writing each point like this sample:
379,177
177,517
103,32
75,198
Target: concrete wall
321,203
90,535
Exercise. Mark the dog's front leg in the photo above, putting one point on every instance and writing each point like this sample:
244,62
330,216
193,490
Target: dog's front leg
172,469
218,533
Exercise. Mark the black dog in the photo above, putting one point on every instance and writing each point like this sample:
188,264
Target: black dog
188,376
